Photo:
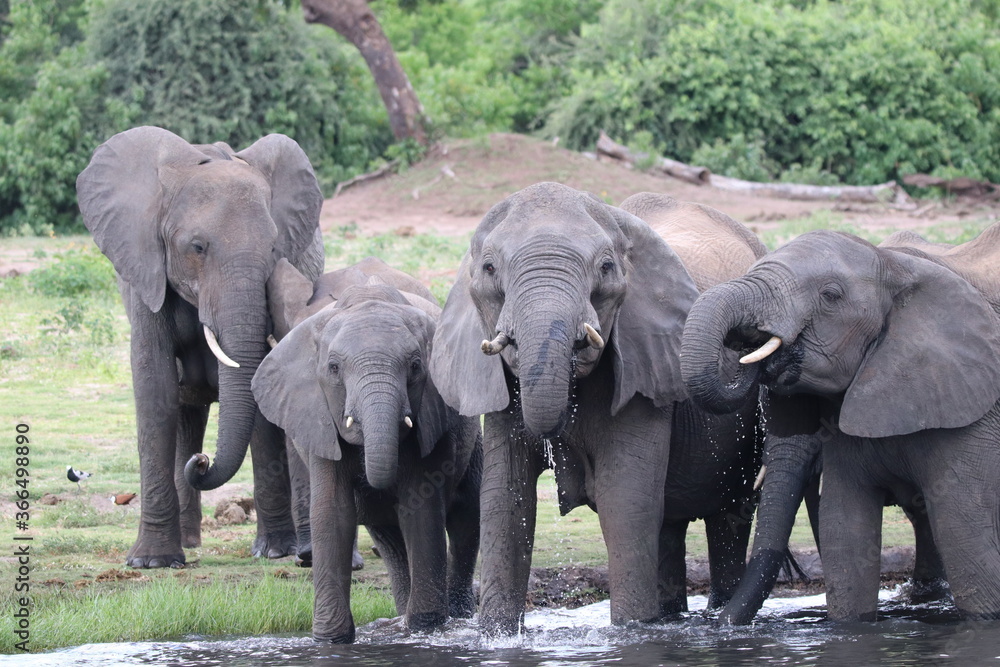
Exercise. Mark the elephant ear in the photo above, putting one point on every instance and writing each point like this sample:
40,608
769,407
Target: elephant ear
289,393
295,199
121,195
434,416
646,337
468,380
934,364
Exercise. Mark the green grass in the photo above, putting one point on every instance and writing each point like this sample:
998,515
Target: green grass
64,371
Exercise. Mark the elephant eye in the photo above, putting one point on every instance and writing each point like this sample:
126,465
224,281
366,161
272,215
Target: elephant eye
416,365
607,267
198,246
831,294
334,367
489,268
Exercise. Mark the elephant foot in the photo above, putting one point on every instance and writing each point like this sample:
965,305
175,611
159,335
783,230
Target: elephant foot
928,590
357,561
304,554
462,605
155,553
718,599
190,541
275,545
426,620
335,637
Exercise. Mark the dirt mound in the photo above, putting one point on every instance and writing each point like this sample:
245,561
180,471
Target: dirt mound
450,190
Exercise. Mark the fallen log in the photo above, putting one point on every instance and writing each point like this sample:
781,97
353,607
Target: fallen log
388,167
964,187
883,193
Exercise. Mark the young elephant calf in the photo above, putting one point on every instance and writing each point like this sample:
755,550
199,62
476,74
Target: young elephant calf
350,387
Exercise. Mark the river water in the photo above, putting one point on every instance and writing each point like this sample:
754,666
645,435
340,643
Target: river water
789,631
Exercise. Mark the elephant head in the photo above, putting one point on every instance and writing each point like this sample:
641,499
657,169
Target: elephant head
554,280
356,373
900,343
206,224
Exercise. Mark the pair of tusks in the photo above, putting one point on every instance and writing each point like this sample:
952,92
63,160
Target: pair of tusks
763,352
349,422
213,345
497,345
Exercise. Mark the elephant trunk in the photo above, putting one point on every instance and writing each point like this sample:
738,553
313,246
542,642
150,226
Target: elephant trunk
380,411
790,463
714,315
242,333
545,356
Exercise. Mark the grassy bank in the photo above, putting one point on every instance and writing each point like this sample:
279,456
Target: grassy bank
64,372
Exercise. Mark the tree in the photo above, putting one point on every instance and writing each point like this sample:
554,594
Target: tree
355,21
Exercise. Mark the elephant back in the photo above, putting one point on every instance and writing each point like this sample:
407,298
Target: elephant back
978,260
713,246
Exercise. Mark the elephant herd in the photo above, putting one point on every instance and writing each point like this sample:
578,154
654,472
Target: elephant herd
651,354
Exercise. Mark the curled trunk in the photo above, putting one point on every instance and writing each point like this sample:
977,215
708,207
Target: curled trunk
791,463
243,337
714,315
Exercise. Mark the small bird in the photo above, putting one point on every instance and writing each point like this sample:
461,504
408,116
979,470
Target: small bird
77,476
121,498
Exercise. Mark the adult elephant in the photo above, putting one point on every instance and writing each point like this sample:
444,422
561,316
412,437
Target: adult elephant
583,305
794,465
194,233
892,359
350,386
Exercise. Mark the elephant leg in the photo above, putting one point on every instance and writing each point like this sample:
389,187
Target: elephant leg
512,463
298,474
392,548
463,541
672,584
334,519
627,468
190,435
271,492
928,582
851,535
155,385
423,529
963,508
727,553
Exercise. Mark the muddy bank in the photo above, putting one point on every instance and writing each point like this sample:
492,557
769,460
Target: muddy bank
575,586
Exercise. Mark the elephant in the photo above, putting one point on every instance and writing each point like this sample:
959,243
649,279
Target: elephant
795,463
193,232
350,385
582,305
891,360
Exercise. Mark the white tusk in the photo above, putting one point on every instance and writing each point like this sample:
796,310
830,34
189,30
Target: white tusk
408,422
760,478
213,345
593,337
496,345
349,422
271,341
819,491
763,352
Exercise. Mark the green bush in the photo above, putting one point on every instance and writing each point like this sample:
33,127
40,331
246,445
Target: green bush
863,90
75,273
217,70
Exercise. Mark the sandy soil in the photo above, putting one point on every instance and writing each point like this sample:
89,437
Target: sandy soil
459,181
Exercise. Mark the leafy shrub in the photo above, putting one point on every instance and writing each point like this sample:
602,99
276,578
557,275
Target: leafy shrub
75,273
216,70
864,90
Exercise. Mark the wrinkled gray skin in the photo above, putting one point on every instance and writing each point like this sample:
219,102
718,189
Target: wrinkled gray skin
365,358
794,463
890,360
193,233
542,264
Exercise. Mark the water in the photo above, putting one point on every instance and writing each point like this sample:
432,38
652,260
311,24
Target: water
789,631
